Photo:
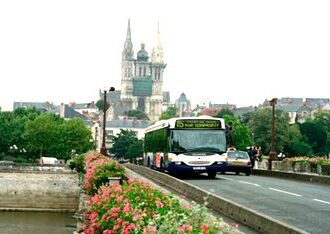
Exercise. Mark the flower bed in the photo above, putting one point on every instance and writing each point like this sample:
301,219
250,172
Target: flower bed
306,164
137,207
98,170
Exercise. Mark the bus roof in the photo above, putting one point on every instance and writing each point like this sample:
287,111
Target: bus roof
171,122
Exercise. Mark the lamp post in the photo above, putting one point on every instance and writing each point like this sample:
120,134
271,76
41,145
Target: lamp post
103,147
272,153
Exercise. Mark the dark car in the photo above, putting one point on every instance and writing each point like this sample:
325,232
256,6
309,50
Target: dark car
239,161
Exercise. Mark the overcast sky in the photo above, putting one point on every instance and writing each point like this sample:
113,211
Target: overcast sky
239,52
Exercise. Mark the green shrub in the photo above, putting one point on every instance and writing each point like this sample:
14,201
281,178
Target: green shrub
77,163
20,159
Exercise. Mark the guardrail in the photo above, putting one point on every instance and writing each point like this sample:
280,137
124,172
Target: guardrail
320,179
257,221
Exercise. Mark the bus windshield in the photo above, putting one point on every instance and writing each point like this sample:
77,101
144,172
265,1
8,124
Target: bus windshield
200,140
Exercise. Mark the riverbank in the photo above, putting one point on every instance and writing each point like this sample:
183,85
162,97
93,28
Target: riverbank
36,190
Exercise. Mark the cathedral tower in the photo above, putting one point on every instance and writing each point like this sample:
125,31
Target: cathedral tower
142,80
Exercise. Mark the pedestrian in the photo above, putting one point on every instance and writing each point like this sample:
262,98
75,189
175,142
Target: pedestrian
251,155
259,153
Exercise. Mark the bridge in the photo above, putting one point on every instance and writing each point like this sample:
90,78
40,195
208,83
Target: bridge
266,204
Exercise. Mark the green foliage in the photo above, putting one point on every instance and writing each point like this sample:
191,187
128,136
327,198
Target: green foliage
139,114
261,125
100,104
315,134
21,159
77,163
223,112
72,134
171,112
122,142
12,127
323,117
41,133
104,172
300,148
33,133
240,133
135,150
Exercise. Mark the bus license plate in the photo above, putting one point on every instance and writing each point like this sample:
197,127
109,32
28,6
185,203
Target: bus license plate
199,168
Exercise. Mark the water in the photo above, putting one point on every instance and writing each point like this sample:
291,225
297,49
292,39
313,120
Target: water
36,223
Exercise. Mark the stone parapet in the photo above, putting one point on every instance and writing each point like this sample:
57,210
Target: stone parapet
39,191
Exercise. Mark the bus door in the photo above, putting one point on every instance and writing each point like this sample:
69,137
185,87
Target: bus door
159,156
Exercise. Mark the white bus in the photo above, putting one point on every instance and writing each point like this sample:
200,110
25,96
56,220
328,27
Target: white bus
187,144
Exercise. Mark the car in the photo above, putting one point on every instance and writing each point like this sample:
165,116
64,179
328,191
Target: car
239,161
48,161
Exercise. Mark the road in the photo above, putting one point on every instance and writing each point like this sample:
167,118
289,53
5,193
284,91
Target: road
303,205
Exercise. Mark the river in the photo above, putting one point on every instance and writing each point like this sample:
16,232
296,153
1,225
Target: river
36,222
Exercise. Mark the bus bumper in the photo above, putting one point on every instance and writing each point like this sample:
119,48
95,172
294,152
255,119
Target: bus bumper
172,167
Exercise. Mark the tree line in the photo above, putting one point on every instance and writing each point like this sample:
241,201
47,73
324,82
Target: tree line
27,134
311,138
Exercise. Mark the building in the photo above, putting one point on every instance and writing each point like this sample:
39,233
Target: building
142,77
41,106
183,105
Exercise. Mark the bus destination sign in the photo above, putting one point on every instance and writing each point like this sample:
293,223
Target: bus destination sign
198,123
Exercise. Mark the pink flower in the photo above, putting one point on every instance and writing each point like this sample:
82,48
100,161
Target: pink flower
92,216
159,204
115,227
119,199
136,217
205,228
126,208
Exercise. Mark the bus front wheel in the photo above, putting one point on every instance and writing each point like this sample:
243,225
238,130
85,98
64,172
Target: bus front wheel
211,174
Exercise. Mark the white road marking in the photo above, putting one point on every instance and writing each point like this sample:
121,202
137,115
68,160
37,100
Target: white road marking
322,201
281,191
245,182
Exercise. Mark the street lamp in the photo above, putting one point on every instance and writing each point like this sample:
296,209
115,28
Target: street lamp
103,147
272,153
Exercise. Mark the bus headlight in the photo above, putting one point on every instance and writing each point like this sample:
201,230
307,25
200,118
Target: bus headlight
177,163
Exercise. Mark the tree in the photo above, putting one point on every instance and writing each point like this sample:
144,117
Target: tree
261,125
139,114
122,142
71,135
295,145
100,104
171,112
223,112
135,150
240,133
315,134
40,133
323,117
12,127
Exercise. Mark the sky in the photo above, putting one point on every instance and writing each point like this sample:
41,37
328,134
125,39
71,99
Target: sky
238,52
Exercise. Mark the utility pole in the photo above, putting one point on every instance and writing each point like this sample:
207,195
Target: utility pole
272,153
104,147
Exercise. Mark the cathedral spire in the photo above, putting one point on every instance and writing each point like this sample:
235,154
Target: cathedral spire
157,55
128,52
128,34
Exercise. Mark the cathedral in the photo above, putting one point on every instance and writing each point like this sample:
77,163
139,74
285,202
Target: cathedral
142,77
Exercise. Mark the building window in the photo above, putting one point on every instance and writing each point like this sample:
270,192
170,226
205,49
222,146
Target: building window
109,134
140,71
144,71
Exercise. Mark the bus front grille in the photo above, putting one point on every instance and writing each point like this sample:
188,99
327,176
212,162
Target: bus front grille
199,162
